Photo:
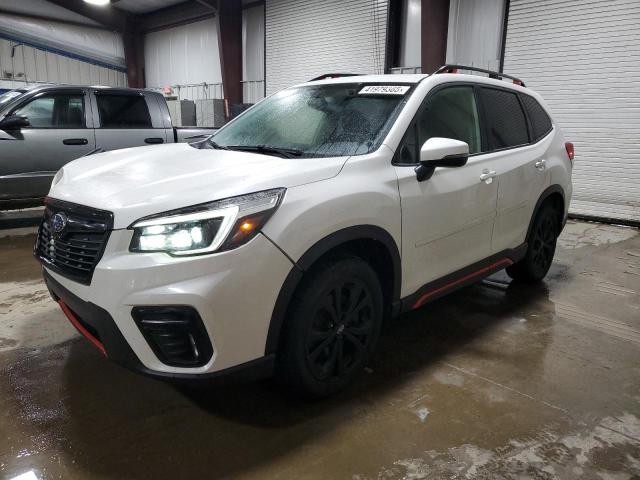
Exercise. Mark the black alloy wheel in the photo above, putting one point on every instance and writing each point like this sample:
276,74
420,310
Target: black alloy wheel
543,243
332,327
541,247
341,329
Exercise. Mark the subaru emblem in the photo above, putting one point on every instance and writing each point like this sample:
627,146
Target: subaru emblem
58,222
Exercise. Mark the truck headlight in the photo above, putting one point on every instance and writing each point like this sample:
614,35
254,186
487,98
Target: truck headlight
206,228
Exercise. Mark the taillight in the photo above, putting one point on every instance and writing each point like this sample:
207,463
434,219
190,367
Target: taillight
570,151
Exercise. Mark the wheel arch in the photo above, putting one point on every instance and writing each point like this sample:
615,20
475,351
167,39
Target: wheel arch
554,194
372,243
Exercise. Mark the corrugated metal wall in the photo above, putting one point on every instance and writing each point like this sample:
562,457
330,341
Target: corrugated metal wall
410,36
22,65
307,38
96,45
185,56
475,33
584,58
253,54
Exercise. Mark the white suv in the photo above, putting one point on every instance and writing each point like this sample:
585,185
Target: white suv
282,242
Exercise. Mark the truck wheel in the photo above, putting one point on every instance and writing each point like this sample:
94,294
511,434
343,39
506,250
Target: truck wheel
541,247
332,327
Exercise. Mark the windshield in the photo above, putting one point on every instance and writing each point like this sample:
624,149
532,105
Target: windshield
316,121
10,95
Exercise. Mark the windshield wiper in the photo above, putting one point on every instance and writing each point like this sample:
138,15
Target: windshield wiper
206,144
283,152
215,145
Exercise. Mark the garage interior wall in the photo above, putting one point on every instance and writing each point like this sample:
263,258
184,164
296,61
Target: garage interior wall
185,58
22,65
410,30
52,50
253,54
475,33
307,38
85,42
584,59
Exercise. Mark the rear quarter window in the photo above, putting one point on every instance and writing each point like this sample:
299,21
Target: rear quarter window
540,121
505,122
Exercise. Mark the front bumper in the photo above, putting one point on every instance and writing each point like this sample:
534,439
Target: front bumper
234,293
98,327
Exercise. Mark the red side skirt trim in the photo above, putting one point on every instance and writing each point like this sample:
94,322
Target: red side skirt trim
83,331
505,262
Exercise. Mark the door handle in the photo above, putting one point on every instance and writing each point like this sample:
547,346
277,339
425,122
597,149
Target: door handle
75,141
153,140
541,164
487,176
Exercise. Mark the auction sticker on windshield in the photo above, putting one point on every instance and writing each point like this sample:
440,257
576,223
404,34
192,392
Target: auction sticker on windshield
384,90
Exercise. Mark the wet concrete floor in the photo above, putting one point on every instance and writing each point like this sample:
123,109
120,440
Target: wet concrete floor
494,381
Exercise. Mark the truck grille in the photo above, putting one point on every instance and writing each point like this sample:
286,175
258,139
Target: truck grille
71,239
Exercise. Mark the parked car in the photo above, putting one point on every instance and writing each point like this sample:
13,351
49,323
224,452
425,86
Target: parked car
282,242
44,127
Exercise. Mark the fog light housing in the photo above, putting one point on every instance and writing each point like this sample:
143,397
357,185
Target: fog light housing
176,334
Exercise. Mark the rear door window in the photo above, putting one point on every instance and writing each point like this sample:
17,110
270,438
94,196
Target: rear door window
540,121
504,119
123,111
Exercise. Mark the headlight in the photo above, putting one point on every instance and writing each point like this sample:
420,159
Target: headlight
215,226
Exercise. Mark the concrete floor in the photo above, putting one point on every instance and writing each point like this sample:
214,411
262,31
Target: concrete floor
494,381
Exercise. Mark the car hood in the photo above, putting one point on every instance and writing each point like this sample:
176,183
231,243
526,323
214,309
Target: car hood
136,182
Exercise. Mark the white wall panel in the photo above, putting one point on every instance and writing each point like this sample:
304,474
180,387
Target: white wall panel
29,65
94,44
584,58
253,43
45,8
475,33
253,54
307,38
410,37
183,55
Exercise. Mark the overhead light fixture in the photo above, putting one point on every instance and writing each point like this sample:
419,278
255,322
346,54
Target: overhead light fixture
30,475
100,3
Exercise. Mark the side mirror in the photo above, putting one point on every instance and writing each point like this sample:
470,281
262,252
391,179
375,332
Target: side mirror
14,122
441,152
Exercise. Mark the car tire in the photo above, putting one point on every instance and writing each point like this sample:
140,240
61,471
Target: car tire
541,247
332,327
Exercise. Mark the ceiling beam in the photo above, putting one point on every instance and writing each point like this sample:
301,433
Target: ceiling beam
108,16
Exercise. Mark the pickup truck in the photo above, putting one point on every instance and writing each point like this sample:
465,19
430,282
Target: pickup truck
42,128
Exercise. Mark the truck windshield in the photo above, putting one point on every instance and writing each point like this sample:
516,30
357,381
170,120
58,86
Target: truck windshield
316,121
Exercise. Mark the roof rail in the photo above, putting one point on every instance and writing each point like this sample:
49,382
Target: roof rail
454,69
334,75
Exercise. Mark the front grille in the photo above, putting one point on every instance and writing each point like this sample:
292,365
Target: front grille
74,250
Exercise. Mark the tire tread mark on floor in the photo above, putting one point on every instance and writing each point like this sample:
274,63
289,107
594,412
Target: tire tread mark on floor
606,325
506,387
